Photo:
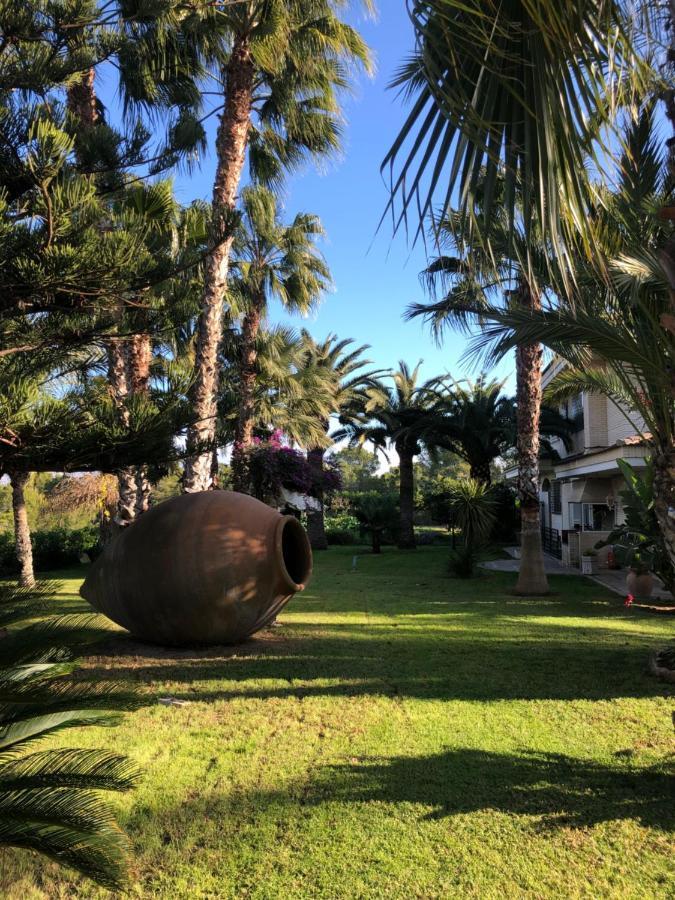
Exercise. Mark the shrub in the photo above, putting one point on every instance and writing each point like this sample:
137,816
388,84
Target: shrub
462,562
54,548
341,537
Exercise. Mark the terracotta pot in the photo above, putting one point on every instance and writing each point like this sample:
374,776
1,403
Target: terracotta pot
207,568
640,585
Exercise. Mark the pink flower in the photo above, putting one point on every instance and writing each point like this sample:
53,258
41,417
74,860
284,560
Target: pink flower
629,600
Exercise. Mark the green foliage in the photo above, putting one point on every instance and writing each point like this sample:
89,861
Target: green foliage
50,799
473,510
518,91
377,514
342,529
53,549
639,543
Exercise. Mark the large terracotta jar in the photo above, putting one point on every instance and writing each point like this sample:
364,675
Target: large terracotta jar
208,568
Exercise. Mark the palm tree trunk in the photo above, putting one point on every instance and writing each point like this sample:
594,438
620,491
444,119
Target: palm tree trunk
480,471
376,540
231,144
243,435
664,497
139,356
316,526
22,541
532,575
406,536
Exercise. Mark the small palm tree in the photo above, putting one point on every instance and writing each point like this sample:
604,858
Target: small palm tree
270,261
341,364
398,415
50,799
375,512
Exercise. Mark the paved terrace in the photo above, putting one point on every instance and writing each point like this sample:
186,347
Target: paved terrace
613,579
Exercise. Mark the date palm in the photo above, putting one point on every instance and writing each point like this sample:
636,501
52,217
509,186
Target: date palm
342,365
617,338
397,414
509,99
479,423
271,261
278,71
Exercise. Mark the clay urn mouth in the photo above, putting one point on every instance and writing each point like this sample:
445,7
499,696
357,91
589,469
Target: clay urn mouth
293,553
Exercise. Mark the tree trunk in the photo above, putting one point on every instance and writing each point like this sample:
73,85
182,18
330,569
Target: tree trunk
231,144
316,526
377,540
532,575
480,471
119,388
406,536
139,357
81,100
664,497
248,368
22,541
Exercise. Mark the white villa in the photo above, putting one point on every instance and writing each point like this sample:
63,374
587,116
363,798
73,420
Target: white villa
580,502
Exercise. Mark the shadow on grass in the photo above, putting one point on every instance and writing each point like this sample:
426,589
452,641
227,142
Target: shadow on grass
562,790
542,662
555,790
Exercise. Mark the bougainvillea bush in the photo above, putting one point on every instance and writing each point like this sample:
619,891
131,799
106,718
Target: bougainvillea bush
273,466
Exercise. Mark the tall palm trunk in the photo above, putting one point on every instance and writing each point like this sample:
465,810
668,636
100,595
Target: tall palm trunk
22,541
231,144
316,525
532,575
406,536
139,356
243,435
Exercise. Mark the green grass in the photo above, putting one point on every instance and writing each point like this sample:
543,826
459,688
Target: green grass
403,735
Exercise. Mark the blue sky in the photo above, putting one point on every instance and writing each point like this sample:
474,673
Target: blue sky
375,275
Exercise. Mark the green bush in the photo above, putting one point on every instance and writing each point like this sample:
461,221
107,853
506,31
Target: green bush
341,537
55,548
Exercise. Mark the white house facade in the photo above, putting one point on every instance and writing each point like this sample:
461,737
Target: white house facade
580,491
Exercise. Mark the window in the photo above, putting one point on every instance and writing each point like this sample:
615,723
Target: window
591,517
556,497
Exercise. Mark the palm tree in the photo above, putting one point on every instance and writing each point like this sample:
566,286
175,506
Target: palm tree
279,68
397,415
616,338
519,91
342,365
479,423
50,799
270,261
514,94
289,395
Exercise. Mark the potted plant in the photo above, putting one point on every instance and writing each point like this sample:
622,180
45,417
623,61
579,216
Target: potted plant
638,543
588,562
640,581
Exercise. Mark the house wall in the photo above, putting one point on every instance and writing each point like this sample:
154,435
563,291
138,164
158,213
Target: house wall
618,426
595,421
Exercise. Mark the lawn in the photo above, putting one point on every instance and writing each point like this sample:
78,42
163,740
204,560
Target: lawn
402,735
